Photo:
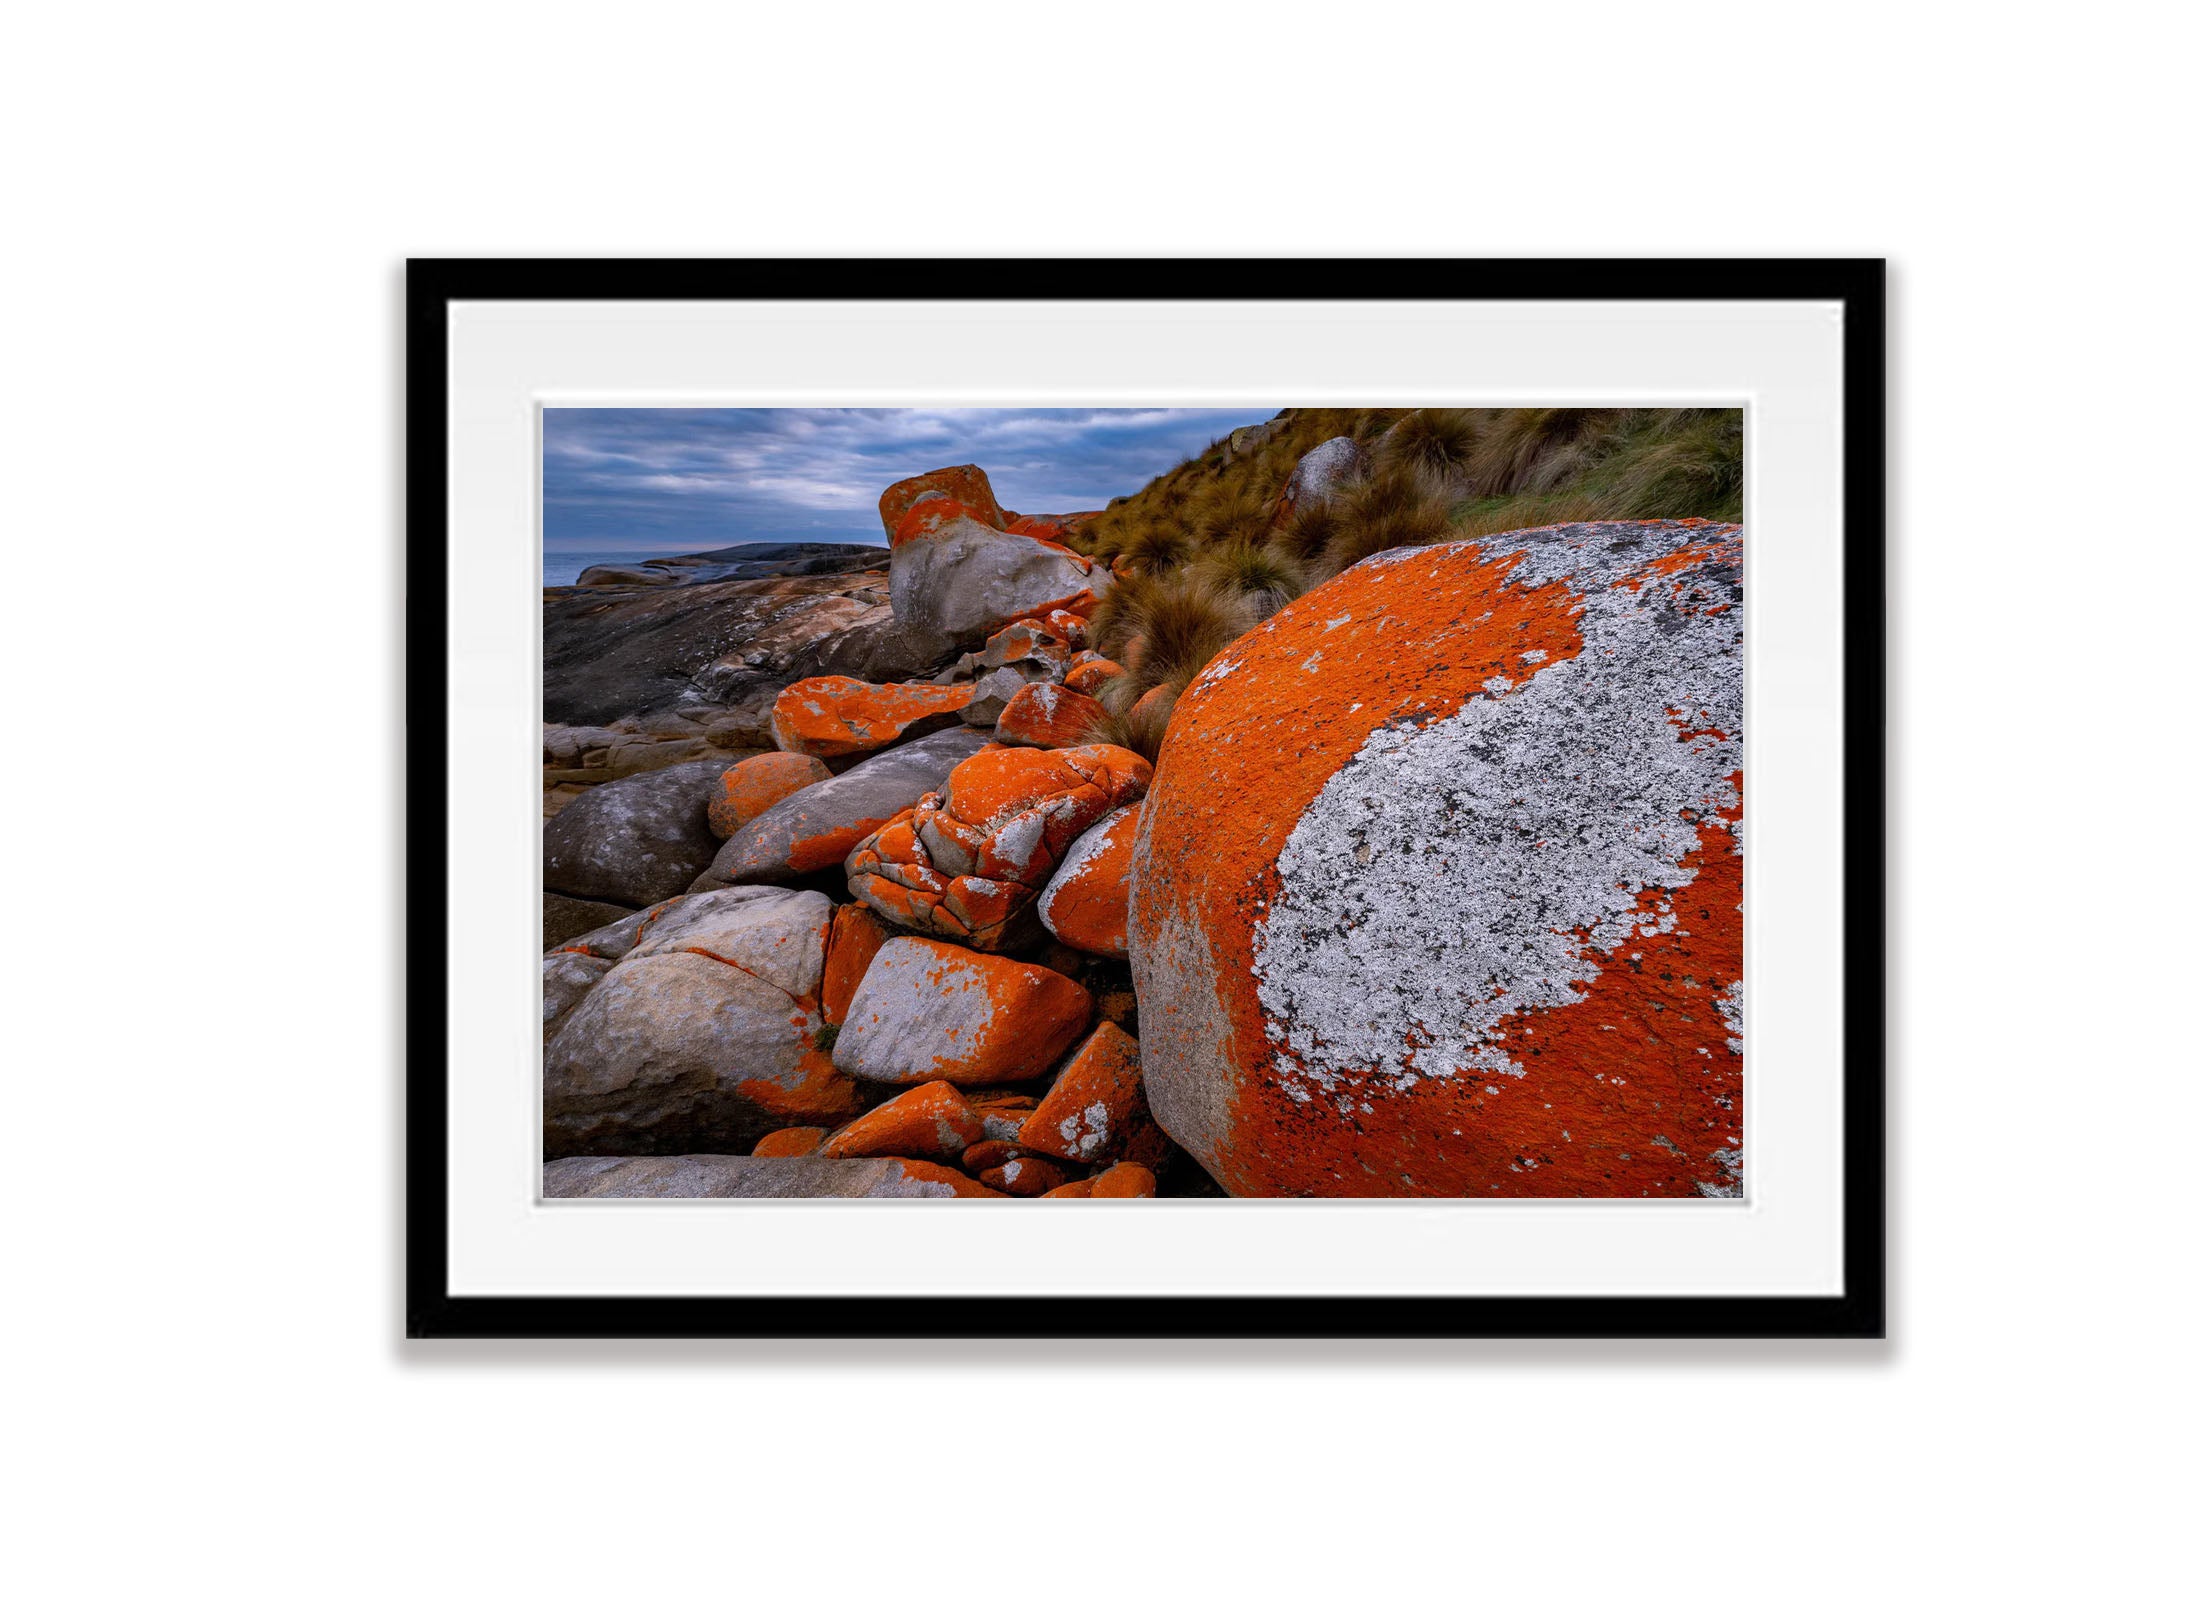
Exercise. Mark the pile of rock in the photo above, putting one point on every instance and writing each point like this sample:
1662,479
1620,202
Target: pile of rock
832,957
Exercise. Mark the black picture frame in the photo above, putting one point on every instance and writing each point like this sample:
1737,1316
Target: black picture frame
1859,1311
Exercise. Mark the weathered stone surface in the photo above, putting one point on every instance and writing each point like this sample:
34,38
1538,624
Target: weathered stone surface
636,840
748,789
1024,1175
701,1036
789,1142
610,653
565,918
929,1012
1438,891
967,484
990,695
847,717
715,1177
814,829
1095,1103
567,976
1050,717
1086,904
967,862
964,580
931,1122
1324,470
1126,1180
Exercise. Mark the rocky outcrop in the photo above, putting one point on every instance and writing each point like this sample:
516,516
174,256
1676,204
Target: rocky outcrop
929,1012
1097,1104
967,861
637,840
716,1177
700,1032
814,829
565,918
848,717
1438,891
734,562
1086,904
963,580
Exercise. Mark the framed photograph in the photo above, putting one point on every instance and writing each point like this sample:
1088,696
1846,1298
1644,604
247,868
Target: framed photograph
1264,742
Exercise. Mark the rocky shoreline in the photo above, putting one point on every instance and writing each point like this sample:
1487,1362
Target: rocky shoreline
1431,887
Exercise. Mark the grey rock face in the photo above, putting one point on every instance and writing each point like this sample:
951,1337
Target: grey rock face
735,1178
990,696
636,840
565,919
1324,470
813,829
964,581
676,1045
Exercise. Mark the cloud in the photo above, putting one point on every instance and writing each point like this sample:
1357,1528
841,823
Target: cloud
657,480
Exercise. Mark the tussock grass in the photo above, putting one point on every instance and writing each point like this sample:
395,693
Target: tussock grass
1211,557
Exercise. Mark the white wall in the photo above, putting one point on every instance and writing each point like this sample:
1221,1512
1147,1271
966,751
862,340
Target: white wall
208,207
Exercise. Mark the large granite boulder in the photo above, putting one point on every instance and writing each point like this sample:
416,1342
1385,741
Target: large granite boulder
1322,473
634,840
701,1033
964,580
813,829
1438,891
721,1177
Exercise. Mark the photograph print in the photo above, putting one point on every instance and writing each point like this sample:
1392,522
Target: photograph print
1140,803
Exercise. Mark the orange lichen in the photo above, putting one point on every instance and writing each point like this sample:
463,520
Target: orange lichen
1126,1180
966,485
748,789
839,716
933,1122
1087,903
790,1142
1051,717
854,937
1096,1103
1086,676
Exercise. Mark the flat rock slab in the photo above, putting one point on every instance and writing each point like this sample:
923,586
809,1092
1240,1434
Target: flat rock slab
739,1178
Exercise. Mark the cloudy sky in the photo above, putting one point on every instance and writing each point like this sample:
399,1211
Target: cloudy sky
654,482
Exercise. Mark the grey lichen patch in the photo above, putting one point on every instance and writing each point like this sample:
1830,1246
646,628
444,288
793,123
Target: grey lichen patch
1459,873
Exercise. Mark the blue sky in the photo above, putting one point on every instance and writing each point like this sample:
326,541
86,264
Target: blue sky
656,481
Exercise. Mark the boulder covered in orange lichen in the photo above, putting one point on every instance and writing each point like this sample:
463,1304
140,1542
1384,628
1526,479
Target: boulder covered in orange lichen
1439,891
932,1121
1096,1103
968,861
1087,903
1024,1175
929,1012
1089,669
788,1143
703,1032
848,717
1126,1180
1050,717
961,580
857,934
966,484
813,829
748,789
1066,626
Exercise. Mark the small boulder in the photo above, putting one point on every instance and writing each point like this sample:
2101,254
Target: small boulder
1126,1180
789,1142
930,1012
1066,626
1096,1103
1086,904
1050,717
1322,472
967,484
848,717
1081,1189
813,829
565,918
1088,670
932,1122
967,861
748,789
1025,1175
990,695
634,840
